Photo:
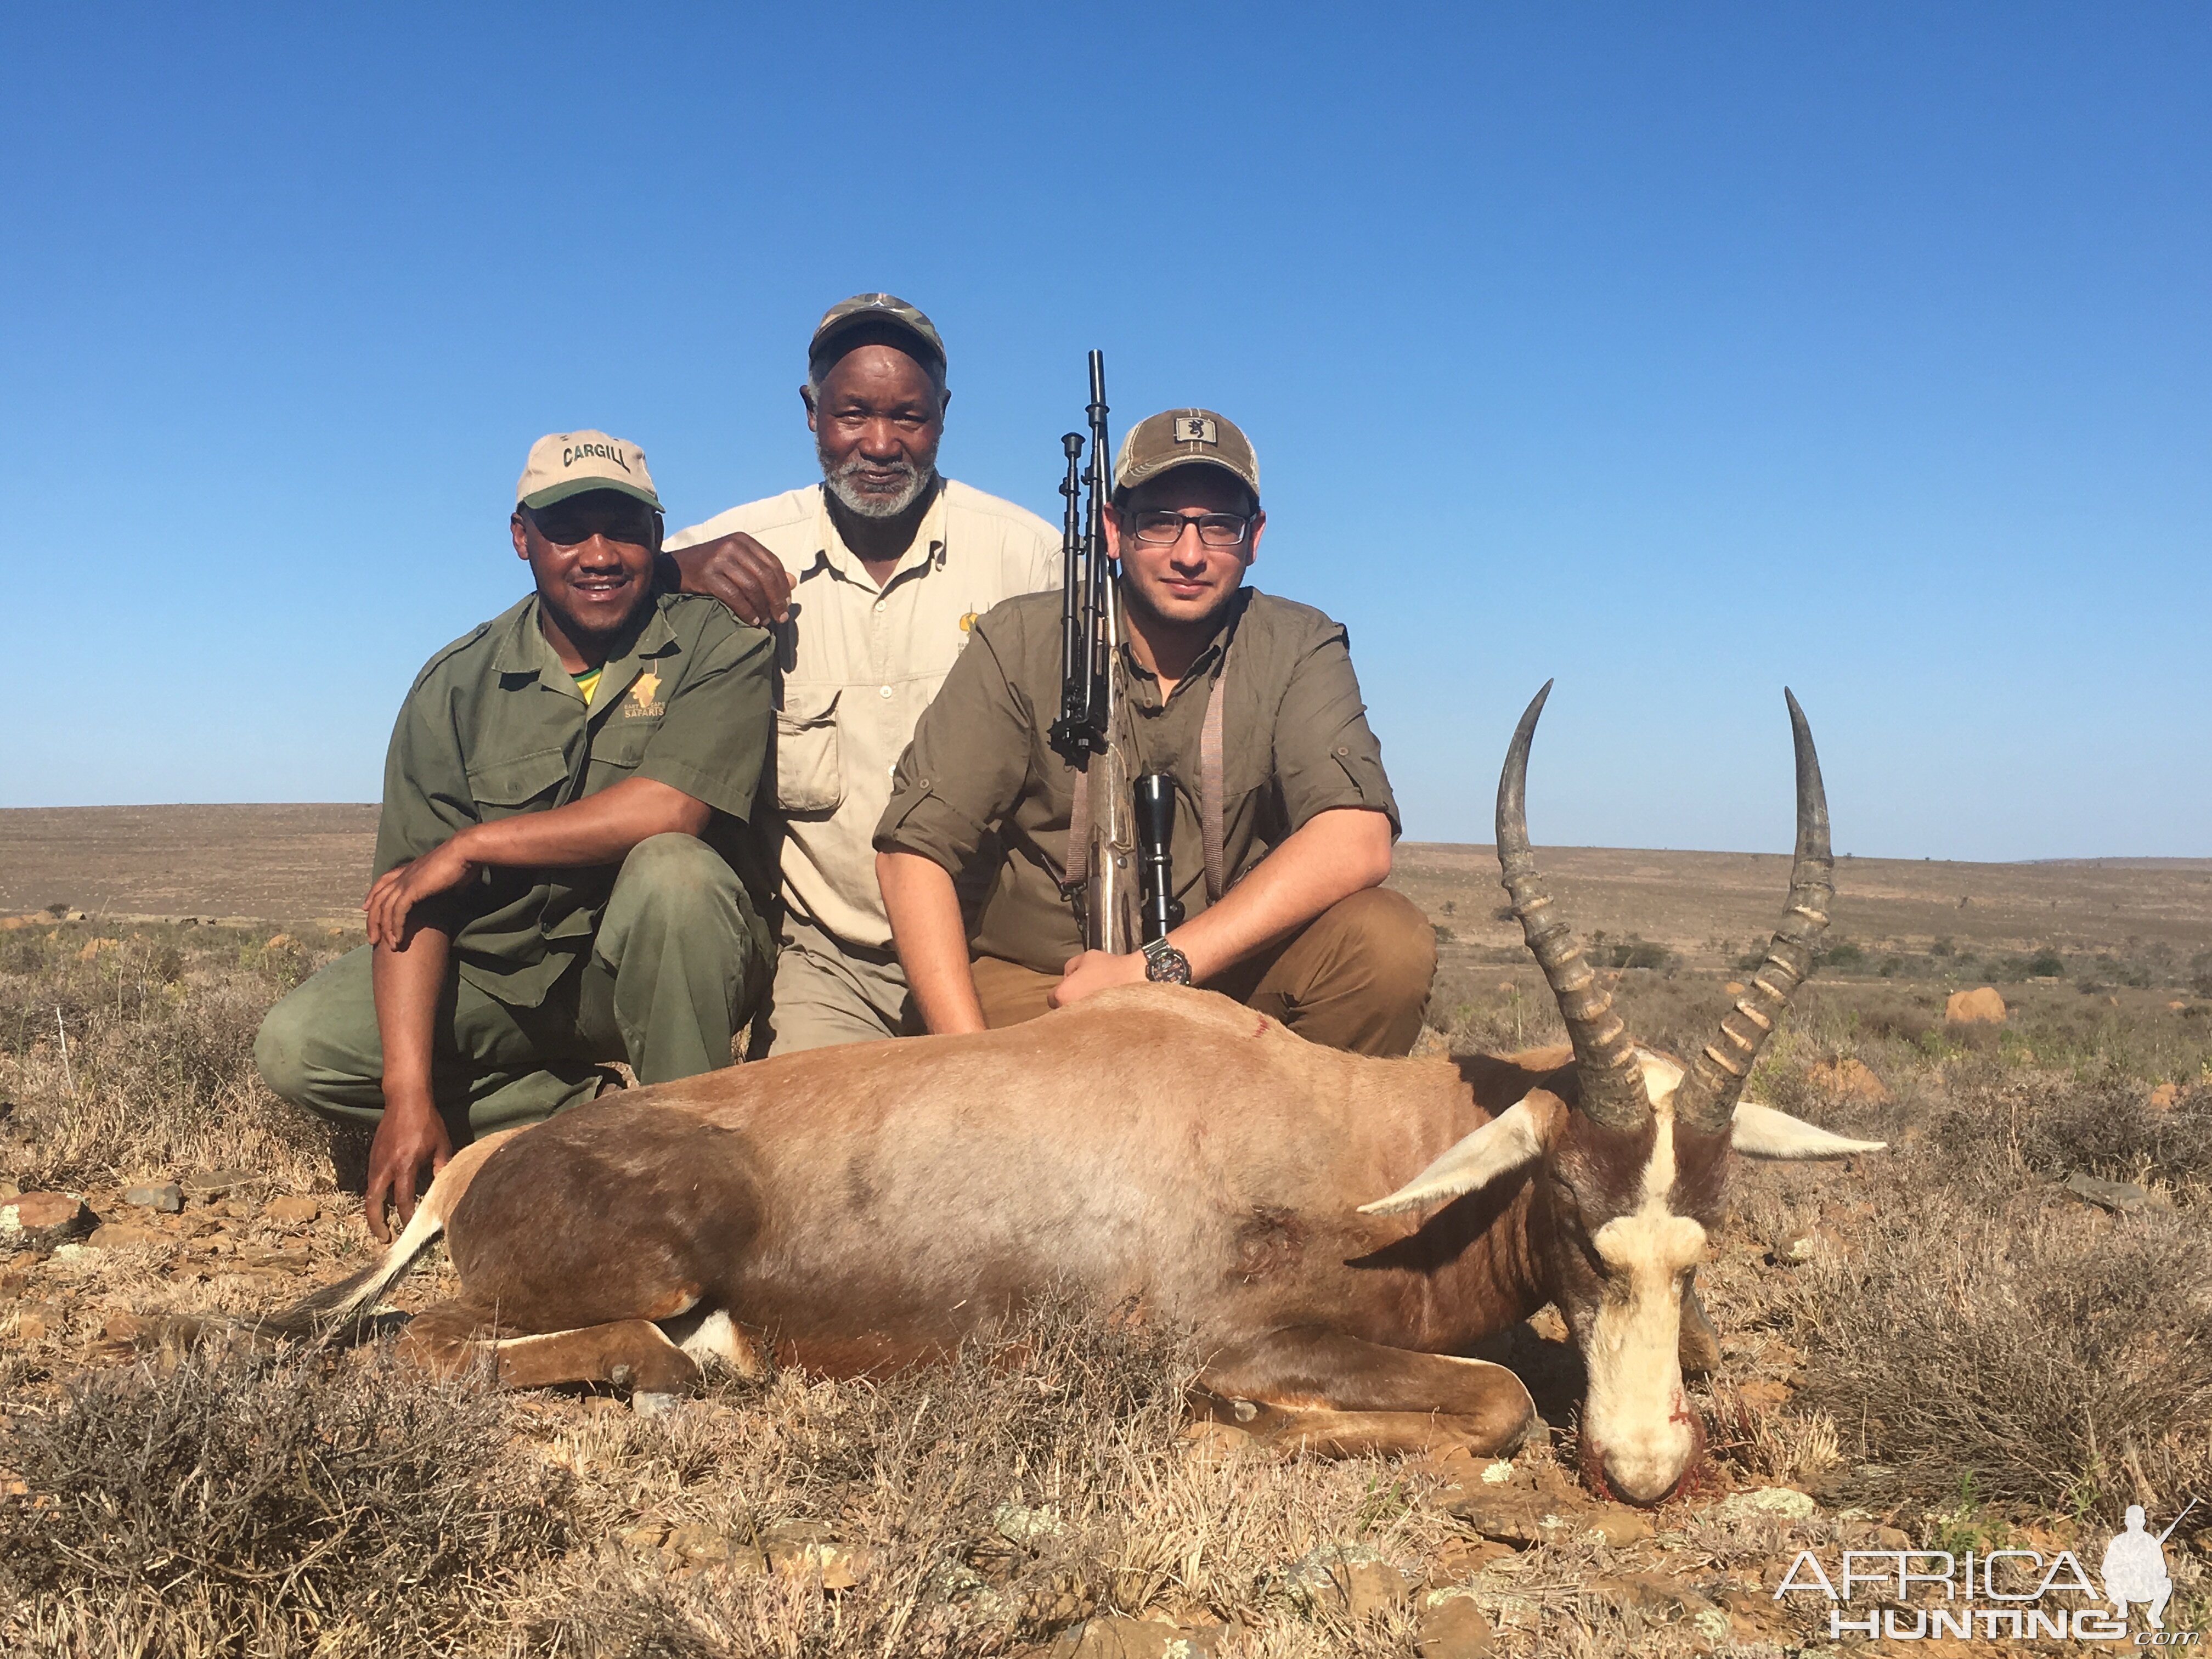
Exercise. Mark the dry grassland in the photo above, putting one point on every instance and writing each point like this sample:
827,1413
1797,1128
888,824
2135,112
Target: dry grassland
1946,1344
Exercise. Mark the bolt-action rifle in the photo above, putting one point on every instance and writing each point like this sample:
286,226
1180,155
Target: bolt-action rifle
1085,734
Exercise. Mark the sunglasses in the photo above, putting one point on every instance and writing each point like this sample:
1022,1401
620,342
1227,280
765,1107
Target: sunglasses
607,513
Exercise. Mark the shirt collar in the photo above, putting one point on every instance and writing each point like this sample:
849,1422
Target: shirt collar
925,551
525,653
1208,662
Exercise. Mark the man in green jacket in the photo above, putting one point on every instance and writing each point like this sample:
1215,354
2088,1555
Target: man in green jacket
565,873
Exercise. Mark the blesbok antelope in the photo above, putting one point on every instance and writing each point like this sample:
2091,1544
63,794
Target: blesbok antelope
857,1208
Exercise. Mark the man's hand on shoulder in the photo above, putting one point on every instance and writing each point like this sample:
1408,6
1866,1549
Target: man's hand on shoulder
739,571
400,889
1095,970
411,1138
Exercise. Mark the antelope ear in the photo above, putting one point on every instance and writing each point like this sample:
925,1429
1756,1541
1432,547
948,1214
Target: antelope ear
1510,1141
1762,1132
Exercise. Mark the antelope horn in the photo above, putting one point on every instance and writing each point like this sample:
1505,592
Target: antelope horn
1611,1076
1706,1099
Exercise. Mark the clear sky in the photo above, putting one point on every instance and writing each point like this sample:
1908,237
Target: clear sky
1679,352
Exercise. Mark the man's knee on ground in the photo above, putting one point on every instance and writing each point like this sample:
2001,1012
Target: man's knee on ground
675,869
1392,939
280,1049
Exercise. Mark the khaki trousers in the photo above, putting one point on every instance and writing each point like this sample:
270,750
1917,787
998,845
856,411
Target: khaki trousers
1356,977
673,972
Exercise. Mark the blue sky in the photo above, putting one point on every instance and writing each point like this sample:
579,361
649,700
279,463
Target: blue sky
1679,353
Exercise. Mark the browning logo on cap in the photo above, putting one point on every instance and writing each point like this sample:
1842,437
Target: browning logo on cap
565,463
1180,437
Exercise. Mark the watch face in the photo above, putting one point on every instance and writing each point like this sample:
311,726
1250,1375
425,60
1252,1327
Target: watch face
1165,965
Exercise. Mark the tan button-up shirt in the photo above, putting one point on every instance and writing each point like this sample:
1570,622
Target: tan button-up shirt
857,664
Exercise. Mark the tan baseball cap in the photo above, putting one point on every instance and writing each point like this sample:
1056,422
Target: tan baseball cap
565,463
1183,437
887,309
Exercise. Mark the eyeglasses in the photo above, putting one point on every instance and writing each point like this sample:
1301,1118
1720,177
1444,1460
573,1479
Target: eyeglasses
607,513
1162,528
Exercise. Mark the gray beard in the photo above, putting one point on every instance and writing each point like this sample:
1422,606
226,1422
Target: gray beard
867,506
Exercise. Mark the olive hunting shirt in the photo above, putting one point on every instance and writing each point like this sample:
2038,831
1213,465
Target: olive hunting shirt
494,725
981,776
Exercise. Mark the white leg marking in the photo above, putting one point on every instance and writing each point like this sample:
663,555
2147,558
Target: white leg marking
719,1339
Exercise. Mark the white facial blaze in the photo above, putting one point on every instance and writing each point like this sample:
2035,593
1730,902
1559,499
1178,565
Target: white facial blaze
1636,1415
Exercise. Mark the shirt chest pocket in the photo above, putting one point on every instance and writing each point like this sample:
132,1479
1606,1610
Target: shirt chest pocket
809,776
521,784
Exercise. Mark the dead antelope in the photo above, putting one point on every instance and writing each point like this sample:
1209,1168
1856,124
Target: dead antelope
858,1208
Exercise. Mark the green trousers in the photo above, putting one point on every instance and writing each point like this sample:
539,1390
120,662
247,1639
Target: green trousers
673,975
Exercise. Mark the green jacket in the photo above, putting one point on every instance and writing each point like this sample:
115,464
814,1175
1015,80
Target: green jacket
494,725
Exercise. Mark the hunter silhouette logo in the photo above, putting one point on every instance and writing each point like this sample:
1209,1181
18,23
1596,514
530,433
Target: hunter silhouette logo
642,703
2134,1567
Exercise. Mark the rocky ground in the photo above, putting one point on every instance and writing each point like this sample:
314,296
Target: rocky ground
1997,1335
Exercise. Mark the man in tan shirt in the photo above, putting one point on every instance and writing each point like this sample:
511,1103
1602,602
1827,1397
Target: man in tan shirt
1291,918
872,580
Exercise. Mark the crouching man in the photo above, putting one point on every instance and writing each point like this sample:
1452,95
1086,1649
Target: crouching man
564,871
1283,820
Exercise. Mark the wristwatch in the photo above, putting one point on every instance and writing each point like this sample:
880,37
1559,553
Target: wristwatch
1164,965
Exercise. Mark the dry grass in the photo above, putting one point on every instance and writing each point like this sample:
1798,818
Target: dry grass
1963,1327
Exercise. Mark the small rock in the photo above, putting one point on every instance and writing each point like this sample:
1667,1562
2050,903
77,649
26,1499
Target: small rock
130,1328
701,1545
642,1540
118,1235
168,1198
2119,1197
1018,1524
810,1550
281,1258
1891,1538
210,1183
1519,1518
1117,1637
1451,1627
1620,1526
1850,1079
43,1220
291,1209
1351,1578
2165,1096
277,941
9,1189
30,1327
1734,989
1784,1501
1980,1006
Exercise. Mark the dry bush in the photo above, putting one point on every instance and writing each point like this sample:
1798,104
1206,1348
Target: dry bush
159,1071
2055,1123
2017,1350
232,1509
1035,1480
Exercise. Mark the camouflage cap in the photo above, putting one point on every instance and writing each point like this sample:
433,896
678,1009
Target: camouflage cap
886,310
565,463
1181,437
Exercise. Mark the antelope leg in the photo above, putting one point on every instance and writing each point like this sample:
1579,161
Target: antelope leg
1339,1395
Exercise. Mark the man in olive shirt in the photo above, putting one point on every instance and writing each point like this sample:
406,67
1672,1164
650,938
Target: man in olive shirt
563,857
1291,918
873,577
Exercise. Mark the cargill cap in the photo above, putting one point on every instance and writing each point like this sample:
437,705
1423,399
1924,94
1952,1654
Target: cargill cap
1182,437
565,463
886,310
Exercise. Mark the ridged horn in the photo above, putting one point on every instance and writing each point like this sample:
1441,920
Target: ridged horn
1612,1077
1706,1099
